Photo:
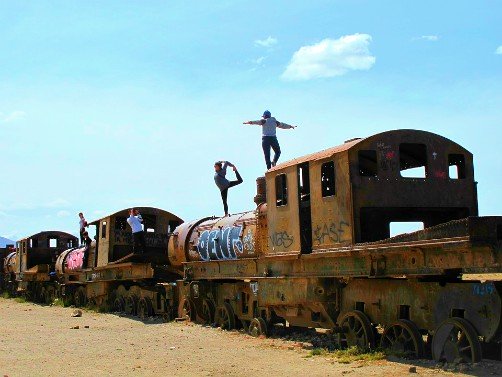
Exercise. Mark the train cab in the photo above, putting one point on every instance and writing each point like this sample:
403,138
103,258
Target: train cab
114,240
36,254
352,193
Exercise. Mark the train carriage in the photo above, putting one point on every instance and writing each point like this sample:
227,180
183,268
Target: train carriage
322,256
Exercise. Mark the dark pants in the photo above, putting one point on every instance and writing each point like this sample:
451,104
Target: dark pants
82,238
224,192
266,143
86,256
139,240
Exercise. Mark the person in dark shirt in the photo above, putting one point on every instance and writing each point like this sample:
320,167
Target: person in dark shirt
87,242
220,171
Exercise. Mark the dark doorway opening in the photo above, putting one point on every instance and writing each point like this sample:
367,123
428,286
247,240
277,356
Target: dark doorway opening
304,208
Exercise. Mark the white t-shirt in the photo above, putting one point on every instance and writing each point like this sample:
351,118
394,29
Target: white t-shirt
82,223
135,223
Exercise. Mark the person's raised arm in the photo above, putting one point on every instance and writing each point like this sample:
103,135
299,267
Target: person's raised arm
285,126
260,122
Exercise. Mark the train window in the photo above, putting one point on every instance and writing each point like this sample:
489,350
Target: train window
401,227
33,242
304,182
413,160
281,190
103,229
456,163
172,225
53,242
120,223
328,179
368,163
149,223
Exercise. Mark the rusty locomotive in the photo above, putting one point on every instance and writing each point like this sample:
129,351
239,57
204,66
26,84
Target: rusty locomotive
317,252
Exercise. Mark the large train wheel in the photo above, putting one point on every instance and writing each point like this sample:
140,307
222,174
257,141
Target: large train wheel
119,305
145,308
186,309
257,327
80,297
403,338
226,317
456,340
208,311
356,331
131,306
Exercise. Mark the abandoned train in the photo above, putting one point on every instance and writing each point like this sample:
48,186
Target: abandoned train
315,252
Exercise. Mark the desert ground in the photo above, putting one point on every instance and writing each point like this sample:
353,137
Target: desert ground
40,340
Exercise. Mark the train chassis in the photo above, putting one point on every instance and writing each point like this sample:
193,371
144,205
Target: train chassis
451,321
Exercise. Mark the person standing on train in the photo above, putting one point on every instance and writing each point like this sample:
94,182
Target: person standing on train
269,137
220,171
87,241
83,224
135,221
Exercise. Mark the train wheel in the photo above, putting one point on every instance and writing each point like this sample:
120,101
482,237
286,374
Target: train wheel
119,305
208,312
356,331
145,308
50,295
456,340
257,327
80,298
226,317
403,338
131,305
186,309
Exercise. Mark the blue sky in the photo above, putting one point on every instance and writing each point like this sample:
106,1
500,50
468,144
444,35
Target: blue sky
105,105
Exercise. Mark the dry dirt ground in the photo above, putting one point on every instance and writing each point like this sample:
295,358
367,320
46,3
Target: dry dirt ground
41,341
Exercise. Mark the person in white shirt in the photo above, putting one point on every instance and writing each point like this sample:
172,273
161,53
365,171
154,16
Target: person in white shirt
83,224
135,222
269,138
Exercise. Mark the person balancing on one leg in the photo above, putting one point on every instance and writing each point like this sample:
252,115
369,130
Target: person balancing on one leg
269,138
220,170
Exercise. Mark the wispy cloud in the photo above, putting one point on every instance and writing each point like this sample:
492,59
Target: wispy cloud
54,203
63,213
432,38
12,117
498,51
268,42
330,57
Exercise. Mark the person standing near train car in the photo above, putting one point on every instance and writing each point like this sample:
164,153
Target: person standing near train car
269,137
83,224
220,171
135,221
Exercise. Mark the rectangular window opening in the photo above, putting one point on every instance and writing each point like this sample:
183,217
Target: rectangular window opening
149,223
150,230
404,312
53,242
368,163
328,179
456,163
413,160
103,229
403,227
281,190
304,182
172,225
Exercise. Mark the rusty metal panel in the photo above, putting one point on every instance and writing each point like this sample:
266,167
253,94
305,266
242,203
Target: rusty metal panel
283,221
332,216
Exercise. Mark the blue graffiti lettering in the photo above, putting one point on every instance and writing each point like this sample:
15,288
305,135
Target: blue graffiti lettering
220,244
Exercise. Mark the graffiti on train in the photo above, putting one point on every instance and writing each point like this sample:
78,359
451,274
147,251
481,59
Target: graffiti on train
221,244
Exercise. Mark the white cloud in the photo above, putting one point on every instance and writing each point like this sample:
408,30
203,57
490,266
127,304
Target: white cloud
432,38
12,117
498,51
63,213
259,61
268,42
330,57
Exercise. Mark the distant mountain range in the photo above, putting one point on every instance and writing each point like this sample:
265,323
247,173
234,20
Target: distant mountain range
6,241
